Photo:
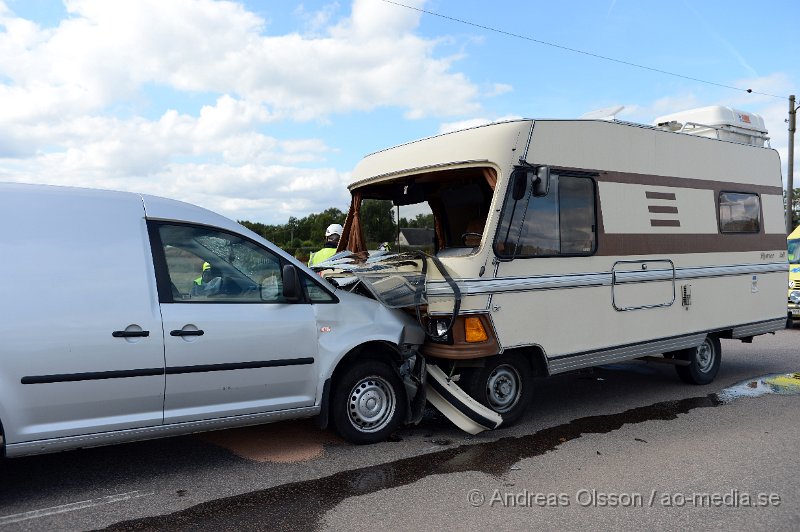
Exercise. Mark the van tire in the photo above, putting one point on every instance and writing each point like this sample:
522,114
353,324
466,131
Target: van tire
368,402
704,361
504,384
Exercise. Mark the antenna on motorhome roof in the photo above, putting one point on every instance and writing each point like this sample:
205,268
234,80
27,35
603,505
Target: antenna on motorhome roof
607,113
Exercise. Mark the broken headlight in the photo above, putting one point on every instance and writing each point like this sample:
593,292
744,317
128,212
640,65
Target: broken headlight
438,331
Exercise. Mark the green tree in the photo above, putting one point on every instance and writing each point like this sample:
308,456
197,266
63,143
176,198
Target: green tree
308,231
378,221
795,206
422,221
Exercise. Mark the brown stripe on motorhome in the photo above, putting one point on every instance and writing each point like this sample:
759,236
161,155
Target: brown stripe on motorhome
659,243
663,244
665,223
660,195
682,182
662,209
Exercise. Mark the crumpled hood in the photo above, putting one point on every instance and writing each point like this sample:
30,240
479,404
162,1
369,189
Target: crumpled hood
397,280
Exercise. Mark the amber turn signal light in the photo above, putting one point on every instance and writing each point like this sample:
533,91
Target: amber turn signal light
474,330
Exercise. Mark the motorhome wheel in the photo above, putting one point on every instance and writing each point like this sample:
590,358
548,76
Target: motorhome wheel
368,403
504,385
704,362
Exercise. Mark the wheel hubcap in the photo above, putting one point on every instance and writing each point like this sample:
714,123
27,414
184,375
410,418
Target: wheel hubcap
503,388
705,357
371,405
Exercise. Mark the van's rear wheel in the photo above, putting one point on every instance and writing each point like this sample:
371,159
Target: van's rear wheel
368,403
504,385
704,361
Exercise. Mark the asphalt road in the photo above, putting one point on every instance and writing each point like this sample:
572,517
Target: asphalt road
627,446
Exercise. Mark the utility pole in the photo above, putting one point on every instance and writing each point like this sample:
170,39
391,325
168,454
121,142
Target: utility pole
790,175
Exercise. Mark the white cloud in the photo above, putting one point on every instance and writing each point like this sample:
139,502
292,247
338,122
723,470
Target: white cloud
107,51
70,95
647,113
498,89
317,21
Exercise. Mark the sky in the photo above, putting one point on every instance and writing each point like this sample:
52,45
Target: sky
260,109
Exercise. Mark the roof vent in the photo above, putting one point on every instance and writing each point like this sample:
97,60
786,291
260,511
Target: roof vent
718,122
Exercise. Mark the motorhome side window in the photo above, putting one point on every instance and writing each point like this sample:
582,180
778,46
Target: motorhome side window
208,265
562,222
739,212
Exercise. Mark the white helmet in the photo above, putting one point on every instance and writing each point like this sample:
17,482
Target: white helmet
333,229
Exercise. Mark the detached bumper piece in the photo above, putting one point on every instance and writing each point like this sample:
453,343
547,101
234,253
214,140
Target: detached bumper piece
464,411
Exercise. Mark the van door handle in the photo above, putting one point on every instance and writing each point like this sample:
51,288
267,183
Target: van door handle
178,332
130,334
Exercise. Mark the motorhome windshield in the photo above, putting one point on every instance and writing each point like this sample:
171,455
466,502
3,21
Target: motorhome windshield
428,211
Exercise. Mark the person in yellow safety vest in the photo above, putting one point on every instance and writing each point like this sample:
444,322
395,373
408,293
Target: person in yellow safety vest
209,282
199,280
332,235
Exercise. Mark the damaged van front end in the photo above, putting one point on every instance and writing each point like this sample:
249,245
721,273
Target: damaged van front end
369,330
398,281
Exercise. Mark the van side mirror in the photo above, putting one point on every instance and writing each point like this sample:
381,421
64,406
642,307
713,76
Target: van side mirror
541,183
519,184
292,290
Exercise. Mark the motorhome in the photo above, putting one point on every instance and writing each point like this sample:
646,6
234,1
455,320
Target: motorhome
793,246
564,244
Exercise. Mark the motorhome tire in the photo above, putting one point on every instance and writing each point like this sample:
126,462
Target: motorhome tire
368,402
504,384
704,361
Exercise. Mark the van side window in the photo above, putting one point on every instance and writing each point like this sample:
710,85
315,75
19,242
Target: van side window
208,265
739,212
562,223
315,293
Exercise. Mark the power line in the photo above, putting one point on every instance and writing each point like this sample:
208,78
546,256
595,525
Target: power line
577,51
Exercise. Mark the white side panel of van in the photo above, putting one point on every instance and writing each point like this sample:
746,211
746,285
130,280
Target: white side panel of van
82,270
251,358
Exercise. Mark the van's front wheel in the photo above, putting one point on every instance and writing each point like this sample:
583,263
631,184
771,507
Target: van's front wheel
704,361
368,403
504,385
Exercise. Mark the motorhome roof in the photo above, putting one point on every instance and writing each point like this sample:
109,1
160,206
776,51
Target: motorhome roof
492,145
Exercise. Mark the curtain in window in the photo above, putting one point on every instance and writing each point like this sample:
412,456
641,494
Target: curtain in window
353,237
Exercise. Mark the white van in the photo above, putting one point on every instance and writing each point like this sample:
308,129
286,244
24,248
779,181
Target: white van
563,244
128,316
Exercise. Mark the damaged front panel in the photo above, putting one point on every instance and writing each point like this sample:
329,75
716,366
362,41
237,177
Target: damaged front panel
397,280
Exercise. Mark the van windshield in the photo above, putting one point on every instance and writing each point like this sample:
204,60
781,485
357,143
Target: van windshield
436,212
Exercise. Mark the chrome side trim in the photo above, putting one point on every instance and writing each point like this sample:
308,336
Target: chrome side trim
754,329
471,287
564,363
148,433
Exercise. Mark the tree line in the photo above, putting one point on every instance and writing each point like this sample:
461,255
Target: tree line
300,236
795,206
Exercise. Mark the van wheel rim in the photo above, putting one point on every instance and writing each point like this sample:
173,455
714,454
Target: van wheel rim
503,388
371,405
705,357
